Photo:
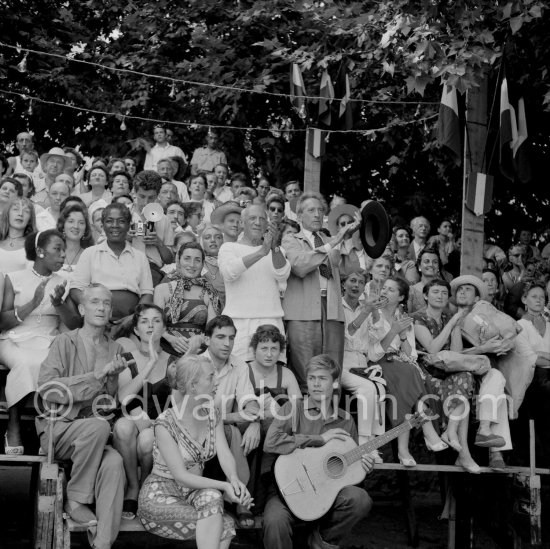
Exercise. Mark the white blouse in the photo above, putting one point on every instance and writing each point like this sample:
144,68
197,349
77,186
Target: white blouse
378,331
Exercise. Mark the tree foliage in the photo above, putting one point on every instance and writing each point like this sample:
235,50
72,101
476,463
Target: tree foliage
394,51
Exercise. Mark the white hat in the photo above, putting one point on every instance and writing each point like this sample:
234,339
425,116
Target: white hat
55,151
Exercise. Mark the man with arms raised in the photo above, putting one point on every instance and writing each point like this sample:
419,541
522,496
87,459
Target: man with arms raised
313,299
80,375
252,270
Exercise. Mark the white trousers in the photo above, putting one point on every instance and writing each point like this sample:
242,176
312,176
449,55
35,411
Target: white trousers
493,406
370,411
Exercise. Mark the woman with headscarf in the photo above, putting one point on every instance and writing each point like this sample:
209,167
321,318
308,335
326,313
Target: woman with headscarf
188,299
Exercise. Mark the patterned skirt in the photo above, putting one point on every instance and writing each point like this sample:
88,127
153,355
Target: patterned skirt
448,392
168,509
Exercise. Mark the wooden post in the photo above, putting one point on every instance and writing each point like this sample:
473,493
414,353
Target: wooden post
534,492
312,168
471,254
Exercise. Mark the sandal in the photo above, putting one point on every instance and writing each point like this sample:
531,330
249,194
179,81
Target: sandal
245,519
12,450
129,509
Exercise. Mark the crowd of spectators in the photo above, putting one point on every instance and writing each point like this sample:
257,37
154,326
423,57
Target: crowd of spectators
153,281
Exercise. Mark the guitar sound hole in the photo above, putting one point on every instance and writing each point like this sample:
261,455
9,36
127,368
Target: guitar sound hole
335,466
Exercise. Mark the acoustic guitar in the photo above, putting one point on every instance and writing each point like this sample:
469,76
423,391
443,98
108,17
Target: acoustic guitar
309,479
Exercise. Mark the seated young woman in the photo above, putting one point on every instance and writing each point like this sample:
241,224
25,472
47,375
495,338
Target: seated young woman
176,501
188,299
33,309
144,393
436,331
392,346
368,392
274,384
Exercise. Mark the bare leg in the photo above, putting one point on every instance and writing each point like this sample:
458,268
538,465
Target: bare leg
450,436
209,531
13,430
145,452
125,442
464,457
403,447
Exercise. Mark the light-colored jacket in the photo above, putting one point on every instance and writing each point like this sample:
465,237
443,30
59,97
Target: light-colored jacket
302,299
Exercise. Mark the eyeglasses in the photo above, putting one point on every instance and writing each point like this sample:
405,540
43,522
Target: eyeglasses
275,209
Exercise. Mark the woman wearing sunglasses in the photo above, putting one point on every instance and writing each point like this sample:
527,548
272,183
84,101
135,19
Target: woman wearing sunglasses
275,208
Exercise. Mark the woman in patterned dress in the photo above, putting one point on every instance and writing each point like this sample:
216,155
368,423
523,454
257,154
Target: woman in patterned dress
435,331
188,299
176,501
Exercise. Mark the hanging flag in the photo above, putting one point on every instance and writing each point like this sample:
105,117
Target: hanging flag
316,142
514,155
327,96
297,91
345,114
448,123
479,194
522,164
508,131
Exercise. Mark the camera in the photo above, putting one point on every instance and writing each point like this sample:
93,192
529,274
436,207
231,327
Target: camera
139,227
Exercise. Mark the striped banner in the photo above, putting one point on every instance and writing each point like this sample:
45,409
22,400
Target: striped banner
297,90
479,194
316,142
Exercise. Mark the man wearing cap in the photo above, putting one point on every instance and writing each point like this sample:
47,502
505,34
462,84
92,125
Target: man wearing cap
53,164
161,149
227,218
313,300
252,269
494,430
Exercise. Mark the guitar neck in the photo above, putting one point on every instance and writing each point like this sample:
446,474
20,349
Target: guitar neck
356,454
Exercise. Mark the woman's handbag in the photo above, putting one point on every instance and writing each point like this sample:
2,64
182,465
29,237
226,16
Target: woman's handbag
451,362
485,321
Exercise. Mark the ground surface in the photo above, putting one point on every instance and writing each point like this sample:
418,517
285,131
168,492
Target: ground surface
385,528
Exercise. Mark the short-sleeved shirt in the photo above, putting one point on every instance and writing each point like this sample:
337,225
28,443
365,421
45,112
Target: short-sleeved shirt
207,159
233,385
158,153
99,264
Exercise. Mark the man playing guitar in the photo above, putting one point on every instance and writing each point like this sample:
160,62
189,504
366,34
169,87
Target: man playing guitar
312,422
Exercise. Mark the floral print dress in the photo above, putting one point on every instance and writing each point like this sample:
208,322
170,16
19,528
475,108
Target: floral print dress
446,387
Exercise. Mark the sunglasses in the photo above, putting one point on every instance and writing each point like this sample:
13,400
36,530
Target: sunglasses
274,209
344,223
516,255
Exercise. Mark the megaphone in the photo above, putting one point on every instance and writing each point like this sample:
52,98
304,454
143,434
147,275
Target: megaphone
375,230
152,213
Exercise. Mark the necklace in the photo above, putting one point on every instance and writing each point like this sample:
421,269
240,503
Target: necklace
212,266
43,277
69,268
13,240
